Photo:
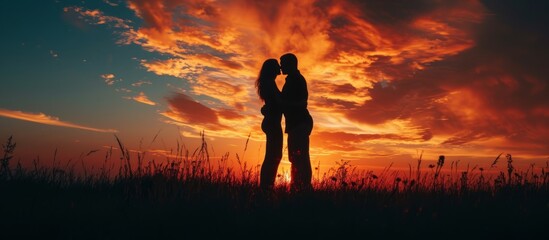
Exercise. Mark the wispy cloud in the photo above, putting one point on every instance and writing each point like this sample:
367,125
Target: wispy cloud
47,120
109,78
112,3
142,98
54,54
123,90
141,83
96,16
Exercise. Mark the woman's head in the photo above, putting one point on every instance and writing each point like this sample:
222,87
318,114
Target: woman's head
270,69
267,76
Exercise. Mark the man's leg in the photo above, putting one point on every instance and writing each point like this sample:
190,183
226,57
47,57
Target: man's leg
298,149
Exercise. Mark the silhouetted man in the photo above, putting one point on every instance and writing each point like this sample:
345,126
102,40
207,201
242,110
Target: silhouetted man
299,122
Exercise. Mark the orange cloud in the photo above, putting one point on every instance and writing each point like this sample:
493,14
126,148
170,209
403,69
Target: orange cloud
98,17
343,47
142,98
185,110
409,74
195,117
350,142
229,114
108,78
48,120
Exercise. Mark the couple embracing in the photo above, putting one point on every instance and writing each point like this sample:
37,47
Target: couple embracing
292,103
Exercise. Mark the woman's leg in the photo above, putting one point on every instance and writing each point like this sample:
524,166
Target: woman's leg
273,155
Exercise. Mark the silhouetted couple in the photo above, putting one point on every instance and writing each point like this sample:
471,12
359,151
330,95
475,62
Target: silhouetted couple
292,103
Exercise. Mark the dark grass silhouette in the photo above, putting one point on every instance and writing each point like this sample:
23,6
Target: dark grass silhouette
188,198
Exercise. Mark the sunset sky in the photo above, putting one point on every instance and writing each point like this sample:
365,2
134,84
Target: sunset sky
387,80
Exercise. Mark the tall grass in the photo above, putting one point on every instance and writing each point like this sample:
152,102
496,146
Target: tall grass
191,191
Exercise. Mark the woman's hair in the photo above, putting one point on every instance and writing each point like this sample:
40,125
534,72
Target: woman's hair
267,74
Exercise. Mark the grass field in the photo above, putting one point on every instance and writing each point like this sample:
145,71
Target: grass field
192,198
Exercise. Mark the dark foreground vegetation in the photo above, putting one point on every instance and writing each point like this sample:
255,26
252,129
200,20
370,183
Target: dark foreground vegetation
188,198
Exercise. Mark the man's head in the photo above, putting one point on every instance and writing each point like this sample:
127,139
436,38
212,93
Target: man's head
288,63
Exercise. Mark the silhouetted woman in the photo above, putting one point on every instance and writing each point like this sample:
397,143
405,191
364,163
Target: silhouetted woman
272,115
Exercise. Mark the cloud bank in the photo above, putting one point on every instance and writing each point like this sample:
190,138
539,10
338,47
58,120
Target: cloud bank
406,73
